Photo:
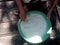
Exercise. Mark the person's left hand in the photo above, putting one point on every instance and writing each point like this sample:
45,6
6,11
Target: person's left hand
23,16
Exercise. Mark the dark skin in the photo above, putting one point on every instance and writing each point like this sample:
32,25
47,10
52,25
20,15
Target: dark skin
23,9
52,8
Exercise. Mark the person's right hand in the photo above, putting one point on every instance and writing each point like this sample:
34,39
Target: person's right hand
49,14
23,16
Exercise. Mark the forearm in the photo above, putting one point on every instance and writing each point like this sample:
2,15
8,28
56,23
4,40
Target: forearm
20,6
53,5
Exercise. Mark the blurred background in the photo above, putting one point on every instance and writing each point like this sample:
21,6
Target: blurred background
9,16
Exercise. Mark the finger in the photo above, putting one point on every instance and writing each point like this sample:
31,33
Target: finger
23,17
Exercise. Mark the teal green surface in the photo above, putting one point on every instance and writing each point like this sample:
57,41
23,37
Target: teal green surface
45,36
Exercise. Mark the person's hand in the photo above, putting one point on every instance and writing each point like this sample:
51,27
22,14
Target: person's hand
49,14
23,16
